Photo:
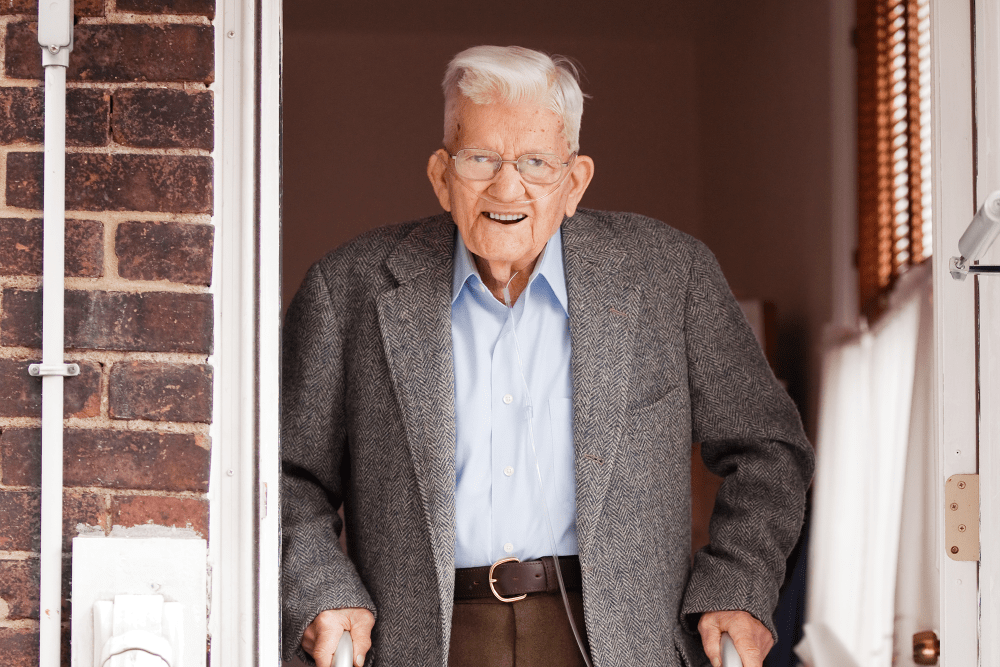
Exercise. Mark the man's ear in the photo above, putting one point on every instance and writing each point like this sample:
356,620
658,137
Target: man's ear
437,169
579,178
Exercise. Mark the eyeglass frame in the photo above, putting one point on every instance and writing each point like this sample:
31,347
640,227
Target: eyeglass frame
514,162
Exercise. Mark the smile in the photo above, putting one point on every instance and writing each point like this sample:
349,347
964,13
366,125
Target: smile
512,217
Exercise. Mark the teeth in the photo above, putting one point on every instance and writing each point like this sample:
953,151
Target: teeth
506,218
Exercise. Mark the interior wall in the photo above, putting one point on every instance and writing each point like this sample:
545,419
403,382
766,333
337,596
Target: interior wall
764,89
711,116
357,137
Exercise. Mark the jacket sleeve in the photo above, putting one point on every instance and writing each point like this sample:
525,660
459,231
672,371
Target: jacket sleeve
316,574
752,436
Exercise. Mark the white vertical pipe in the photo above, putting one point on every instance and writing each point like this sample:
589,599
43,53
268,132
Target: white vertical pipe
50,616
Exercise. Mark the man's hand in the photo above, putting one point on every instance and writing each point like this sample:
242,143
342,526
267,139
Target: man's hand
752,639
322,636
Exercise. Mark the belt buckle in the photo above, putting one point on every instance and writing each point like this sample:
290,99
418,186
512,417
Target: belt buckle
512,559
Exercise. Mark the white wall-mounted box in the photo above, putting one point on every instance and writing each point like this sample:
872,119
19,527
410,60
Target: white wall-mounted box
106,567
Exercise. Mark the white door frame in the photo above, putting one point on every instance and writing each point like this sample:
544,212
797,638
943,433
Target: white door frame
954,314
244,614
987,73
244,537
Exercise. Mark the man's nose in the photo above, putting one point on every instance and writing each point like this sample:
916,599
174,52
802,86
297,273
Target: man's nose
507,184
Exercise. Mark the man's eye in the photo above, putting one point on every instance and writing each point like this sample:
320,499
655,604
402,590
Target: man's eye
481,159
536,162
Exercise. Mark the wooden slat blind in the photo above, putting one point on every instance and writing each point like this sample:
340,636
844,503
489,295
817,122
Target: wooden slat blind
893,159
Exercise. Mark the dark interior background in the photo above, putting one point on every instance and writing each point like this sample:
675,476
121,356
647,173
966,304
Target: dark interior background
712,116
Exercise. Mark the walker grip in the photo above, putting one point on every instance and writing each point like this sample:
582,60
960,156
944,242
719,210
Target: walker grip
345,652
344,657
730,658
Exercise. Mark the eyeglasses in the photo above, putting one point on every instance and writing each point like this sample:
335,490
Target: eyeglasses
477,164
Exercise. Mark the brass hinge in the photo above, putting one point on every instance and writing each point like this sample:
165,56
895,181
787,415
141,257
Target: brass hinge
961,517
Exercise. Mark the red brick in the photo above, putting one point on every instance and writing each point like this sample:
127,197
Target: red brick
19,587
19,646
21,394
21,519
113,53
88,7
21,457
21,247
198,7
22,111
111,459
163,118
161,391
176,512
96,182
80,7
145,322
174,251
136,460
88,113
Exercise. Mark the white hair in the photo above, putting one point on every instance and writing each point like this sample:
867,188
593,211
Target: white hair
514,75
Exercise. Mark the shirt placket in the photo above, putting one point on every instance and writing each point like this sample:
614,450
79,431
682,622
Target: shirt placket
508,474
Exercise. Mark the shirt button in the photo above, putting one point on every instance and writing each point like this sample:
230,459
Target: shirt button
508,547
508,471
507,399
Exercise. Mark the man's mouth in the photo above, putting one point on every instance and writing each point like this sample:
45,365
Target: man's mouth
505,217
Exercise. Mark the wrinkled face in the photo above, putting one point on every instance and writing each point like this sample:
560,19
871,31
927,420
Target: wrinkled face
510,229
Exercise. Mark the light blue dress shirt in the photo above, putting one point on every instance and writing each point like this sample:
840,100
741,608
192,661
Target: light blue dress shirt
497,497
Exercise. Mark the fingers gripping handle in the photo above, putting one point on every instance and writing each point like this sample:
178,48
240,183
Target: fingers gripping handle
345,651
730,658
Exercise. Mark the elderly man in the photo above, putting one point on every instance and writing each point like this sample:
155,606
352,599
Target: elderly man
517,379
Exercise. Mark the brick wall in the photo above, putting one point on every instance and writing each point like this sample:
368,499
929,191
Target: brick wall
139,315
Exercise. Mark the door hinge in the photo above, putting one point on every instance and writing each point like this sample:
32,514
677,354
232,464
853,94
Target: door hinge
961,517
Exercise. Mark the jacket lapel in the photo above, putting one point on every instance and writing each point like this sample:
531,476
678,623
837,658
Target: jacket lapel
415,321
602,309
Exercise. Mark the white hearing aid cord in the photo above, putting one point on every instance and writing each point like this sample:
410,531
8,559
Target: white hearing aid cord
538,472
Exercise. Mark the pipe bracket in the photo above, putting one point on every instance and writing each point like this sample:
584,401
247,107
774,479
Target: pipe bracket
41,370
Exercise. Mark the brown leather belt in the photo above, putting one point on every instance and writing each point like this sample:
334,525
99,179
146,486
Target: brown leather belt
512,579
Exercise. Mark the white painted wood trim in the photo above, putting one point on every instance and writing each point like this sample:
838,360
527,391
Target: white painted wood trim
269,609
987,64
954,319
233,529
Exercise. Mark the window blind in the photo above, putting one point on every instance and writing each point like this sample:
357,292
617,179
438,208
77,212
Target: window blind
894,212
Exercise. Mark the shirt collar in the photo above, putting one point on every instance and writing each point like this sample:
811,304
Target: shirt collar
550,266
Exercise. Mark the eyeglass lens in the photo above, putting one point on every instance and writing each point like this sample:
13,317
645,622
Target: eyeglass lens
481,165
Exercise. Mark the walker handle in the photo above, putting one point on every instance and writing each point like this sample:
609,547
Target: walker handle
345,652
730,658
344,657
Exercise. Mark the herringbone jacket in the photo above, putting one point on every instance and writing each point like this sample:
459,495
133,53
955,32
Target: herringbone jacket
661,357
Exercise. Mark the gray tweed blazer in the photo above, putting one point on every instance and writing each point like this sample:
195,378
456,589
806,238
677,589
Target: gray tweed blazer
662,356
